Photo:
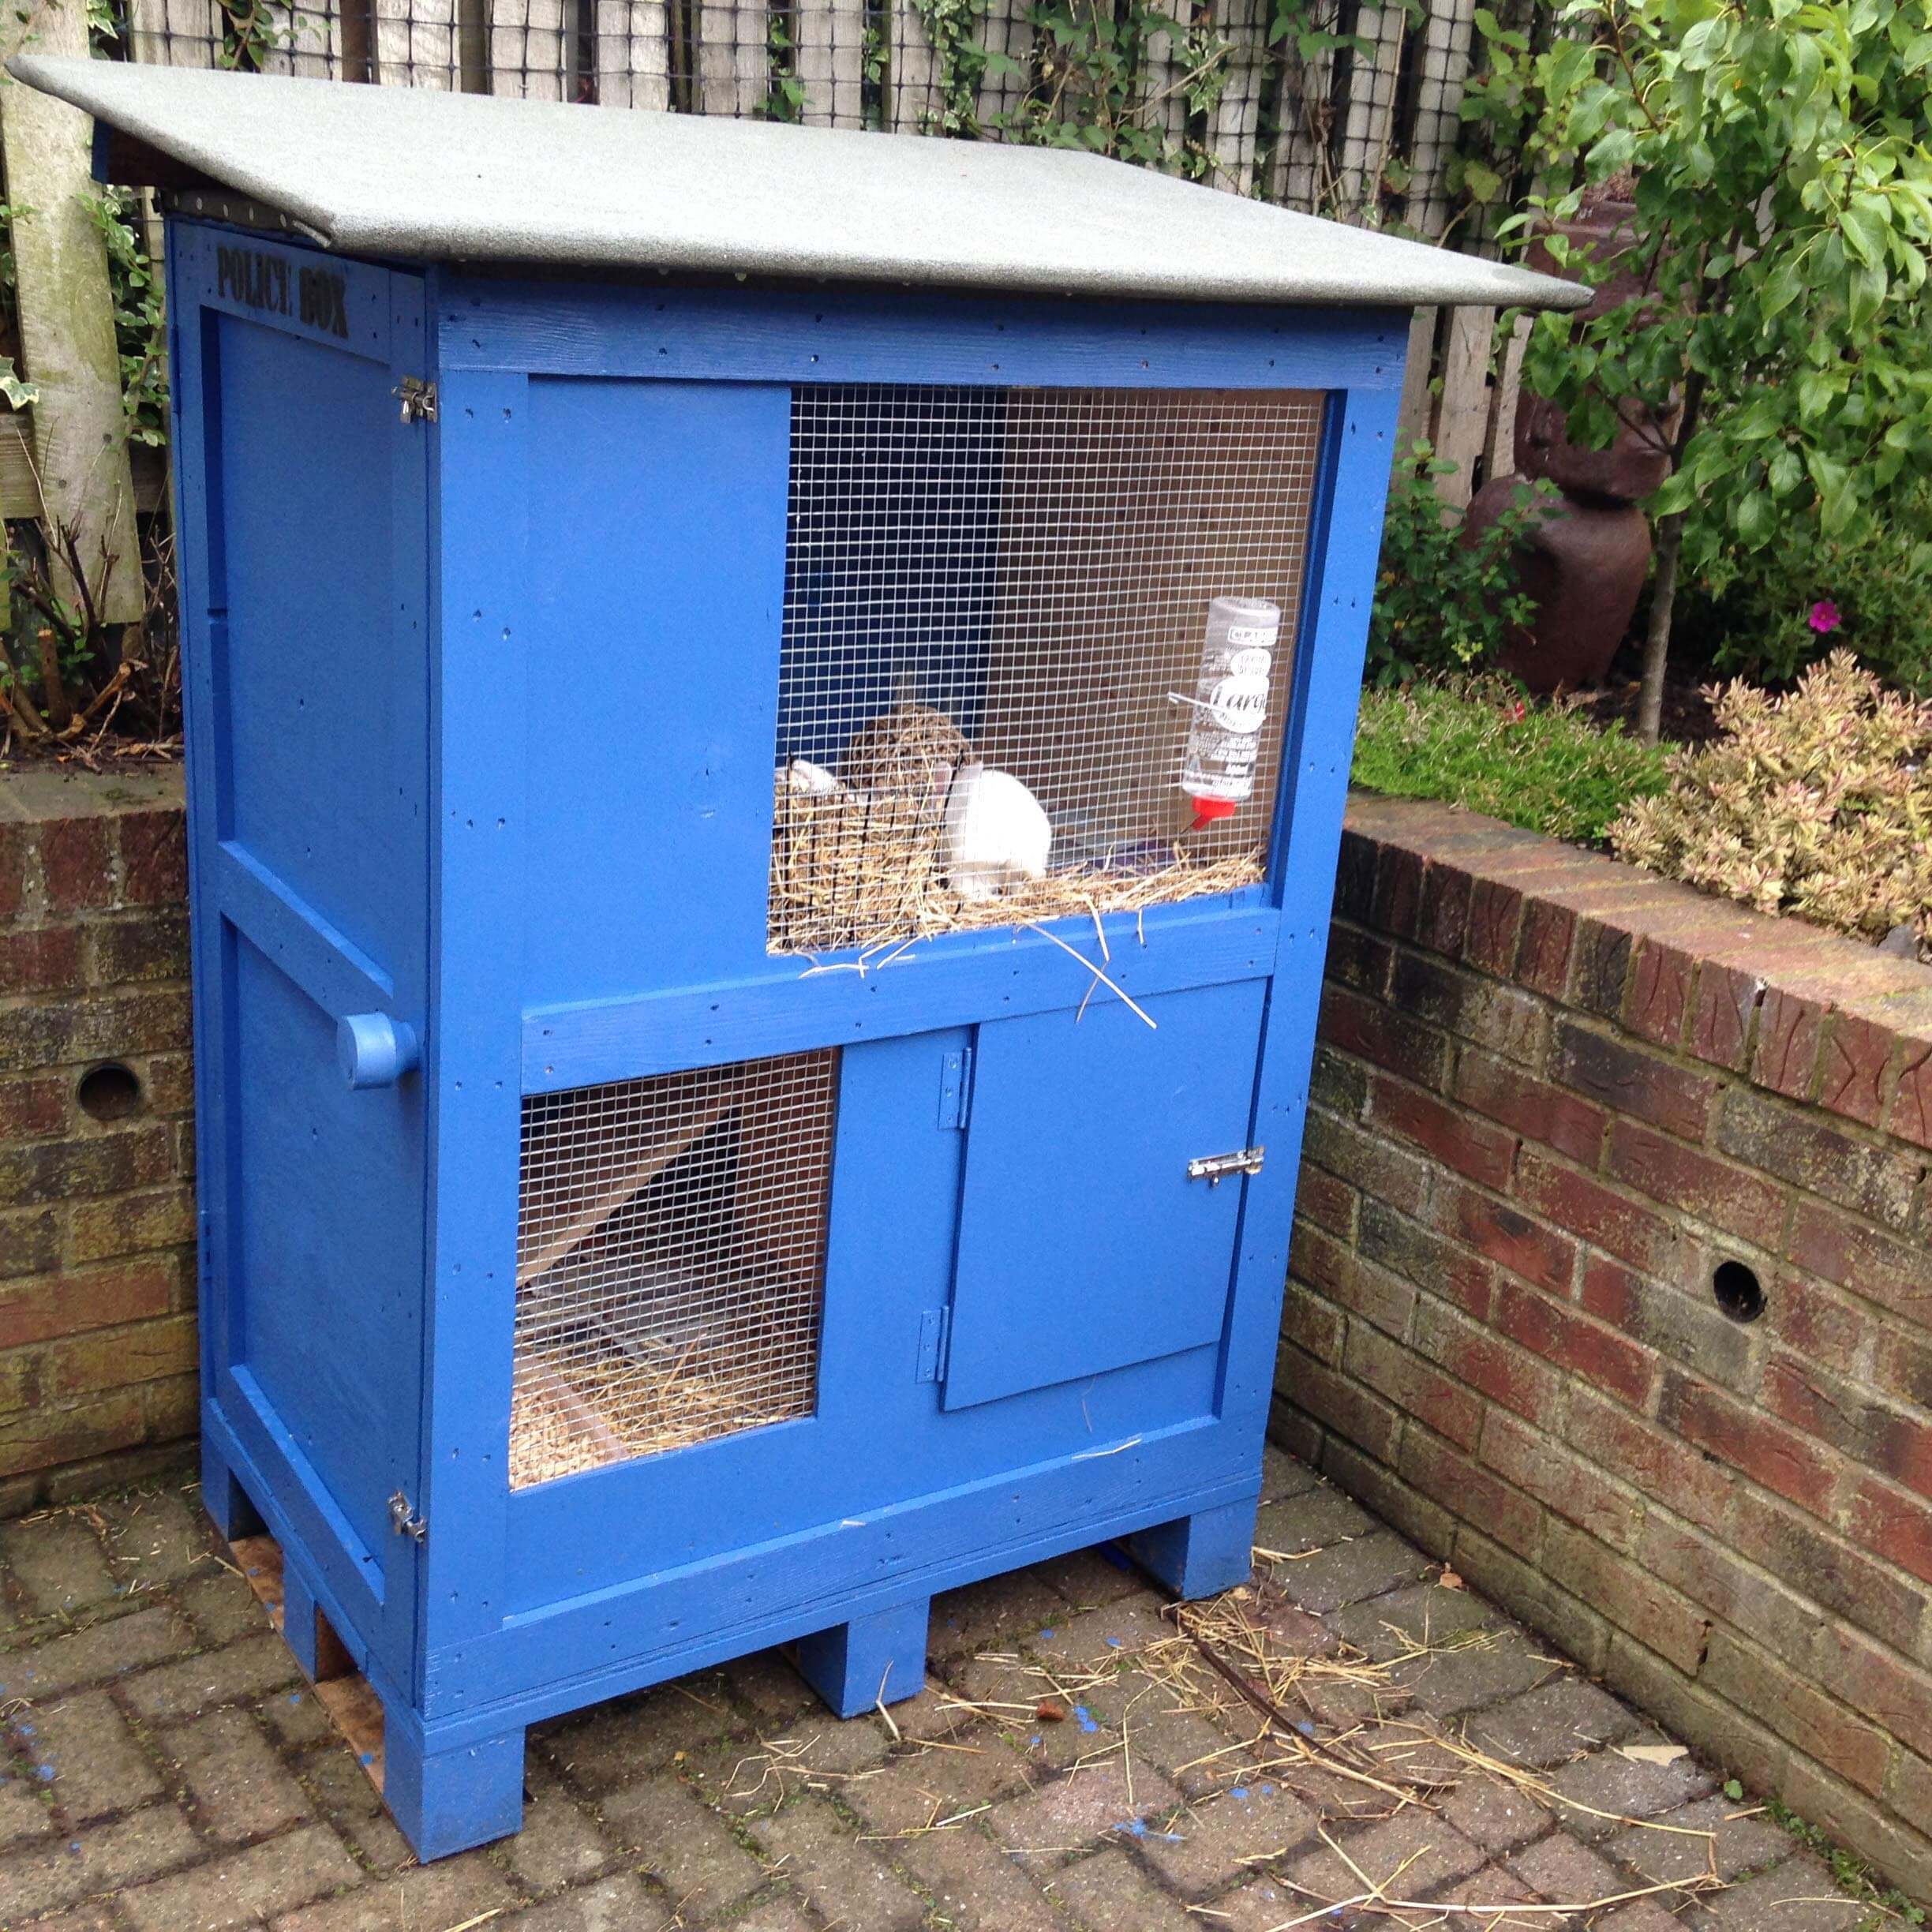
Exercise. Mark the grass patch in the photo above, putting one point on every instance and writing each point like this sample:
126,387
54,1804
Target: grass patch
1850,1873
1477,742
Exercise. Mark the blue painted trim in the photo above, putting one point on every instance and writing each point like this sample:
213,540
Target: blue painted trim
328,965
795,1005
198,250
547,328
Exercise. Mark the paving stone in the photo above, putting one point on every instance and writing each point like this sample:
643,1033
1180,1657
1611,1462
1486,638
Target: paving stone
917,1789
1312,1518
559,1844
1345,1573
221,1606
446,1893
110,1648
1566,1873
995,1614
1089,1578
59,1564
1493,1886
1795,1896
122,1852
1640,1915
86,1918
609,1744
1553,1725
1110,1894
1736,1844
684,1844
781,1912
1102,1638
1262,1905
808,1842
25,1813
296,1718
622,1903
1607,1781
238,1673
1184,1747
1417,1844
1424,1616
768,1686
1057,1821
1200,1851
975,1886
247,1885
158,1537
97,1767
241,1787
1283,1475
935,1712
1494,1812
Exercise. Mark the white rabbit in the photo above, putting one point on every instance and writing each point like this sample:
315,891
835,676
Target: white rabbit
996,835
811,781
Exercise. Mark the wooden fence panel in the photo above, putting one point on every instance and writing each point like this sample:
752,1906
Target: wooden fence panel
1301,171
415,43
1005,31
733,57
308,44
912,91
529,47
1163,90
829,61
1446,34
1462,418
1243,25
1368,126
174,33
632,51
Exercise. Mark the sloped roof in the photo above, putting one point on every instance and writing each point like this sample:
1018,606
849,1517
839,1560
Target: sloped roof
411,172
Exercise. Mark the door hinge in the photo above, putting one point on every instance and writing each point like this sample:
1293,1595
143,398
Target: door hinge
418,399
404,1520
936,1340
956,1087
1214,1168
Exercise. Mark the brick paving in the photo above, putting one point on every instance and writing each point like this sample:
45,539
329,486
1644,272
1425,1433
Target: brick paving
166,1770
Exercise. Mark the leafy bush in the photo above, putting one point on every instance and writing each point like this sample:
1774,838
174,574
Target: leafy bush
1442,604
1476,743
1818,803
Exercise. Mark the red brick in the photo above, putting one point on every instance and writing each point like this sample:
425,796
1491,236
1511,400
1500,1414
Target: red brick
114,1357
40,959
1500,1017
1376,1294
1543,948
1539,1467
1557,1332
1897,1442
1442,924
1887,1689
1471,1146
1328,1203
1720,1018
1372,1030
1398,902
1910,1115
1633,1080
1355,871
38,1308
1892,1526
151,945
1757,1684
44,1437
1357,959
1317,1257
1418,1255
1532,1107
1521,1382
1508,1236
1817,1321
1716,1578
1852,1082
1658,1000
1378,1169
1790,1029
1732,1198
1660,1316
1446,1476
29,1242
1598,1214
1635,1448
1903,1365
15,841
1311,1323
1813,1151
1494,919
1606,1579
1895,1274
1767,1451
77,863
1338,1400
1600,956
1414,1385
154,857
30,1108
1820,1564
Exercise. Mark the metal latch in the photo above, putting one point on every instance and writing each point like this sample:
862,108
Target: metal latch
1213,1168
418,399
404,1521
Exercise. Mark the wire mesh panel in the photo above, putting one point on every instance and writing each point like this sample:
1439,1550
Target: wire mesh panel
997,678
670,1254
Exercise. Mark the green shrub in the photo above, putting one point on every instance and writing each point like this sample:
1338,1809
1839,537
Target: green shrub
1818,803
1441,604
1474,742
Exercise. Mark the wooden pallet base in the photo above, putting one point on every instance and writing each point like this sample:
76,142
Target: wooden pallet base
341,1690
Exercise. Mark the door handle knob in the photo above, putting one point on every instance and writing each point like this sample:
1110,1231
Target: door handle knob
374,1050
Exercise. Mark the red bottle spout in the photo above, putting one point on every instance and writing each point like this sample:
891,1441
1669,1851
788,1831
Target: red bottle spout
1207,810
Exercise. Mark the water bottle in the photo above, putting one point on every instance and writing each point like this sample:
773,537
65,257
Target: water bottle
1228,707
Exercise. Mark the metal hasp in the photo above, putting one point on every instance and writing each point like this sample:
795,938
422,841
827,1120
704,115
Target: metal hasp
1213,1168
563,1181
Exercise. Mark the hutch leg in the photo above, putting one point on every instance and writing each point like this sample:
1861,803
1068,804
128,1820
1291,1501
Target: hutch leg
875,1660
224,1499
1196,1556
447,1801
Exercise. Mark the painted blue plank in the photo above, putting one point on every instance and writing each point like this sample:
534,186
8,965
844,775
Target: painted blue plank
1083,1245
793,1005
769,335
328,966
338,304
650,651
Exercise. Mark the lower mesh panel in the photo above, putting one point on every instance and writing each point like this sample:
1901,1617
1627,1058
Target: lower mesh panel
670,1261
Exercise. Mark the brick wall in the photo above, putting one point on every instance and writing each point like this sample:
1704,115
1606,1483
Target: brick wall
1554,1096
97,1347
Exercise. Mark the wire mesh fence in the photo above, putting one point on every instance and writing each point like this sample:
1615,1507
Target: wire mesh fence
1335,107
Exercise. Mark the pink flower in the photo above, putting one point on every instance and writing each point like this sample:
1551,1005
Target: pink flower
1824,615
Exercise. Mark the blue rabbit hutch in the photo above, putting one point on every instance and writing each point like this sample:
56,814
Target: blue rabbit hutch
768,714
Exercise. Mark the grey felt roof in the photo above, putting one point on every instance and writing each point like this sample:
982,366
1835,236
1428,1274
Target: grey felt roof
408,172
